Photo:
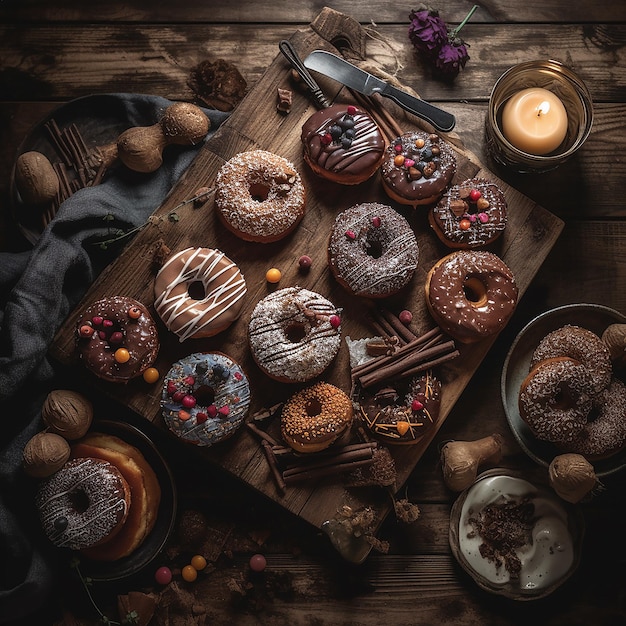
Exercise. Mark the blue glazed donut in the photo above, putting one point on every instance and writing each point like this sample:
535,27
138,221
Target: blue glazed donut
205,398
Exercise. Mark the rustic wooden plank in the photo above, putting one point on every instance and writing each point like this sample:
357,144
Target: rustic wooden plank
160,57
530,235
264,11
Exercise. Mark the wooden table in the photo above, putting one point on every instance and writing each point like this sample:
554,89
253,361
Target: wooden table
52,55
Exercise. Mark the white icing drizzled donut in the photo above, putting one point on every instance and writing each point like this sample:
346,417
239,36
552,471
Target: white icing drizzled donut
216,308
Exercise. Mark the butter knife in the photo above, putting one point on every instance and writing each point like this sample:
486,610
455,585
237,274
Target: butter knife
346,73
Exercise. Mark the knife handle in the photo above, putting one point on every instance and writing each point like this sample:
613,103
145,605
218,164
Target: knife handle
440,119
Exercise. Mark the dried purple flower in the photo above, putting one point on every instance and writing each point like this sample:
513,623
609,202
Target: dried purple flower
427,31
451,59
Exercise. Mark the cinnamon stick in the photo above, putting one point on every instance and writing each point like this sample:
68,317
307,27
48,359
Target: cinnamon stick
271,460
340,459
261,434
400,329
314,474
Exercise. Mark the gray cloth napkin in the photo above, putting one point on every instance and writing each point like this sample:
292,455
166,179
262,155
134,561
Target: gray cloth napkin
38,289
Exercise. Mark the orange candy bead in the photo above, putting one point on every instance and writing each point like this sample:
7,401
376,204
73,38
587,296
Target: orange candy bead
465,224
151,375
198,562
398,160
122,355
189,573
273,275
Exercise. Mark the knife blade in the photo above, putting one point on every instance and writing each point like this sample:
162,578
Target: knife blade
346,73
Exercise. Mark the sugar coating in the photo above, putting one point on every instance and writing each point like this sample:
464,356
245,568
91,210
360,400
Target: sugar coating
373,249
84,482
290,334
259,194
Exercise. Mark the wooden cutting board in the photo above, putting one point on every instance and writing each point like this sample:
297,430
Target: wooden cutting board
531,233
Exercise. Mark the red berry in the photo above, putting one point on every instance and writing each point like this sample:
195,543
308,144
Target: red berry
211,410
326,139
376,221
102,335
474,195
107,323
351,109
305,262
163,576
406,317
257,563
97,320
188,402
335,321
178,396
116,337
238,376
223,410
350,234
416,405
201,418
171,387
189,380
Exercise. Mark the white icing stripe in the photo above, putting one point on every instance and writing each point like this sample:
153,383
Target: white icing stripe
218,297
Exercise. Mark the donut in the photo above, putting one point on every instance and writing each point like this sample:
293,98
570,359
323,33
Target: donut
259,196
145,493
83,504
343,144
471,294
198,293
555,399
417,168
372,250
582,345
472,214
605,431
205,398
117,338
316,417
294,334
401,413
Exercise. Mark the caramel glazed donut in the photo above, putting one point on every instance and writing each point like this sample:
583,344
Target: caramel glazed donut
342,143
417,168
217,306
83,504
470,215
372,250
294,334
316,417
117,338
471,294
205,398
259,196
401,413
570,396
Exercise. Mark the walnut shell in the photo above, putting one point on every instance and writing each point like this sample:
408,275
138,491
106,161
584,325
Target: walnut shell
614,337
67,413
44,454
572,477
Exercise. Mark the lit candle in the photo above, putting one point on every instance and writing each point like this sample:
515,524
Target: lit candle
534,120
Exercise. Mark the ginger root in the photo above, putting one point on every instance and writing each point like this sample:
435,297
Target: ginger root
462,459
572,477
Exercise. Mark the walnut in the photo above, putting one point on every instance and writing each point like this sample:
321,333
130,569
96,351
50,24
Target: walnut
615,339
44,454
218,84
67,413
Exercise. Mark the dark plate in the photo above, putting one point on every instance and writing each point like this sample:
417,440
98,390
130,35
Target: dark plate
148,551
594,317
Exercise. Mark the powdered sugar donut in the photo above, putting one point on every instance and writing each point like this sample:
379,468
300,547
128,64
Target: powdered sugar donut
294,334
259,196
205,398
372,251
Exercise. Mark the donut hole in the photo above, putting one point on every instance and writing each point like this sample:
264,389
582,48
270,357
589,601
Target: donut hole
196,290
79,500
313,407
259,192
374,248
475,291
295,332
204,395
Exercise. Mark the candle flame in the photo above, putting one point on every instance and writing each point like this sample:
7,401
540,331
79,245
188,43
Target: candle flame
543,108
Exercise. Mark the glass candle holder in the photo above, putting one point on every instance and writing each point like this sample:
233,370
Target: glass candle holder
566,86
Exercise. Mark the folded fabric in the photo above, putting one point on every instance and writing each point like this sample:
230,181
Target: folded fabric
38,289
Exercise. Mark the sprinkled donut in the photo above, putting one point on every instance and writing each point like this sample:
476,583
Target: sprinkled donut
372,251
205,398
605,431
555,399
294,334
217,305
315,417
401,413
259,196
117,338
83,504
417,168
470,215
471,294
582,345
342,143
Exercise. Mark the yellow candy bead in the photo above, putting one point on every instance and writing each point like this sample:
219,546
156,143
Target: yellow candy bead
198,562
151,375
398,160
273,275
122,355
189,573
